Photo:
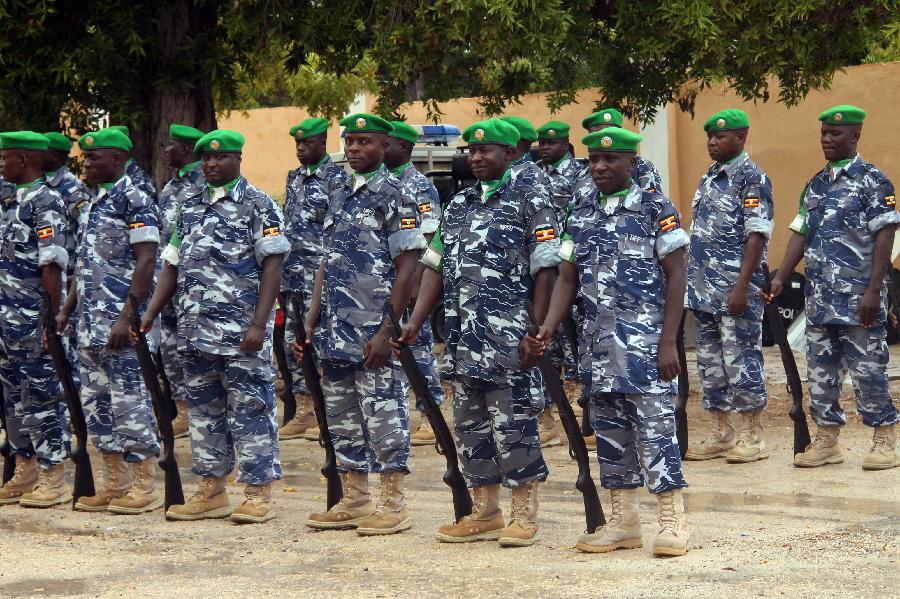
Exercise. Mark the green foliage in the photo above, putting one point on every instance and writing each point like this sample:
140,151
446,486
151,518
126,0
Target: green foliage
887,47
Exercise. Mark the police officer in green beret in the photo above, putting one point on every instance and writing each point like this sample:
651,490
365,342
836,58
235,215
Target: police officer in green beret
138,175
644,173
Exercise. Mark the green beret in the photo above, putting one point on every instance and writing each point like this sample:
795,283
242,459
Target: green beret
365,123
58,141
612,139
185,134
726,120
401,130
523,126
310,128
491,131
121,129
105,139
220,140
553,130
607,116
843,114
23,140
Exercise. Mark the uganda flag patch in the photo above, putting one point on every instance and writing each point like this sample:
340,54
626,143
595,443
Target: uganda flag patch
889,201
271,232
751,202
137,225
668,223
45,233
407,223
544,234
425,208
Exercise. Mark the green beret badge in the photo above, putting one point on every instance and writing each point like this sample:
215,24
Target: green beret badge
838,116
360,123
89,140
479,134
606,142
214,145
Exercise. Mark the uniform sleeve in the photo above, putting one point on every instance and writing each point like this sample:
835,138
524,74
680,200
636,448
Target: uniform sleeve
667,229
649,179
267,230
881,209
800,225
50,227
758,207
544,232
433,257
142,218
404,225
429,205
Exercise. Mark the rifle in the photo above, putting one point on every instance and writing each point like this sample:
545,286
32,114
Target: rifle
571,331
314,386
287,391
593,510
9,458
462,501
794,386
681,424
84,474
163,407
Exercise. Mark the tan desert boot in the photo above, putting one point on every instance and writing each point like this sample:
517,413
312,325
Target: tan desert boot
302,421
824,449
355,505
522,528
483,524
143,496
24,480
180,425
674,538
390,513
51,488
423,435
548,430
883,454
117,483
210,501
257,507
622,530
312,433
750,446
720,441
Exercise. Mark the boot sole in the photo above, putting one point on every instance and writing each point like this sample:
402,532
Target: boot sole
491,535
668,551
80,507
131,511
421,442
45,503
552,442
371,532
344,525
248,519
222,512
880,466
626,544
694,457
516,542
183,435
290,437
311,437
746,460
829,460
10,501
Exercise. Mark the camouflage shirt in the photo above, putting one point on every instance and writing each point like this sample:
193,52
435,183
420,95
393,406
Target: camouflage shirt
32,233
224,234
493,240
841,210
426,195
563,177
140,178
188,182
74,195
732,201
370,221
305,205
7,190
119,216
617,243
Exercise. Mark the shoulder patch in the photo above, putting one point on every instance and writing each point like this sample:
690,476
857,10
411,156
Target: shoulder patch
407,223
668,223
45,232
544,233
751,202
425,207
889,200
271,231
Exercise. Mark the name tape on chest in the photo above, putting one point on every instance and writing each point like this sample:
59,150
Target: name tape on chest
271,232
424,207
668,223
407,223
889,201
45,232
751,202
544,233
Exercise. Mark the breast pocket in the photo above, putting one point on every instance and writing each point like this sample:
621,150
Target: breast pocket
502,249
112,240
229,245
636,247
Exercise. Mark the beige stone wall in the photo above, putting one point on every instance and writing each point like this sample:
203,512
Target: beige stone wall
785,142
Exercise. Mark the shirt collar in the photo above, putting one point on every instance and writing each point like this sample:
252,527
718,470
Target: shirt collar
53,177
523,159
30,184
399,170
188,168
489,188
231,189
371,180
732,165
311,169
560,164
841,166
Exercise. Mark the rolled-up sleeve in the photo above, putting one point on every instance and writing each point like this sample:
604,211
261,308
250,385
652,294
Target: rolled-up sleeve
759,210
268,230
50,228
882,209
404,225
667,229
143,219
543,244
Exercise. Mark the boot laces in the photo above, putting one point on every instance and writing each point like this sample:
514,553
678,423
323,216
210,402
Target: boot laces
745,432
384,495
18,473
204,491
479,500
520,504
879,440
45,476
254,495
667,517
821,437
617,502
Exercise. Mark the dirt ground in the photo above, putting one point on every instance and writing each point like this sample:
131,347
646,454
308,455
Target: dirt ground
764,529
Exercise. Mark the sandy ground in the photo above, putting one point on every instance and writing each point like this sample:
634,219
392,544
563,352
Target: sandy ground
764,529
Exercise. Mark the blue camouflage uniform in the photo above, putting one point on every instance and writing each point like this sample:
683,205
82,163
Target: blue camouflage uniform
116,404
141,179
305,204
429,206
494,239
617,243
225,234
187,182
371,220
733,201
33,233
842,209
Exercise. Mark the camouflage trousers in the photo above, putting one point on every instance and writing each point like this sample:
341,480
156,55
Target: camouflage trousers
497,431
636,442
168,349
231,410
36,414
730,361
865,353
116,404
423,350
368,416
